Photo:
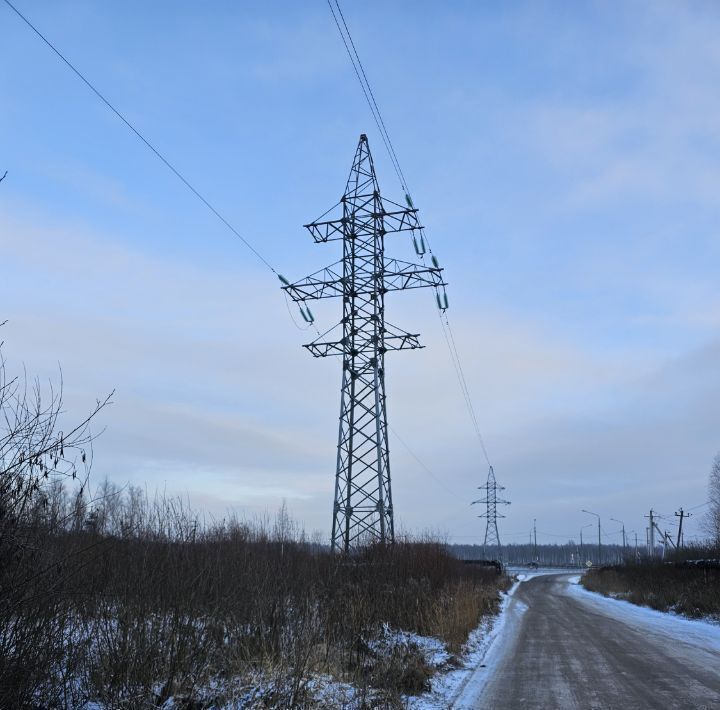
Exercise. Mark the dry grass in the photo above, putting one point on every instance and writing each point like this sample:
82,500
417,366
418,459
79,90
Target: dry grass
128,602
130,616
667,586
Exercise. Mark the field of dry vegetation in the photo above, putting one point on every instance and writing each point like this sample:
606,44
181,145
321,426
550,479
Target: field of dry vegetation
142,605
681,585
118,601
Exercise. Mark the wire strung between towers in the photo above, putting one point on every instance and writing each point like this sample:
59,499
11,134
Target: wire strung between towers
460,373
367,90
141,137
375,110
364,82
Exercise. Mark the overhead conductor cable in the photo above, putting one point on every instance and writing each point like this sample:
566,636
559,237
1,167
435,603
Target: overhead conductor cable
441,297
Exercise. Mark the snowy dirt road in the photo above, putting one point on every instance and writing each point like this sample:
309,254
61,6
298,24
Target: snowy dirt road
564,647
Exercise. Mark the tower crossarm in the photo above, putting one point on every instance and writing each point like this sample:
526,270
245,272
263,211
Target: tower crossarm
398,220
394,217
326,283
492,499
396,275
394,339
400,275
327,231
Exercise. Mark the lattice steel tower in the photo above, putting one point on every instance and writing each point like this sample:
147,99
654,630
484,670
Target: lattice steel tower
492,537
363,509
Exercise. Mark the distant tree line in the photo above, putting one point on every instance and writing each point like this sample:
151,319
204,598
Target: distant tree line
569,554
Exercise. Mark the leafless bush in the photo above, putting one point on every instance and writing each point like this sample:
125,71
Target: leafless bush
675,584
712,517
35,458
113,598
172,607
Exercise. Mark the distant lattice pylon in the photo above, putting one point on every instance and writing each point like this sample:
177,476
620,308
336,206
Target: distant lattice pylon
491,544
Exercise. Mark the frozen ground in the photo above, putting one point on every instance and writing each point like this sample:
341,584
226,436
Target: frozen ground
560,646
479,657
555,645
705,634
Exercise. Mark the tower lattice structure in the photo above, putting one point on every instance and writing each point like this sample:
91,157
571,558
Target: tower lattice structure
363,507
491,543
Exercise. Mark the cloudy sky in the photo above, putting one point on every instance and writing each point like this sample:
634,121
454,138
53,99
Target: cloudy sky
566,161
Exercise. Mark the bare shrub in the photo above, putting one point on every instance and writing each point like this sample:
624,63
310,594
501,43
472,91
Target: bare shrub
712,517
35,458
679,585
126,601
172,607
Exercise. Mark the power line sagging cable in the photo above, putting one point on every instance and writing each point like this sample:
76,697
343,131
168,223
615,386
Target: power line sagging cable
367,91
427,470
381,125
460,372
359,69
141,137
354,57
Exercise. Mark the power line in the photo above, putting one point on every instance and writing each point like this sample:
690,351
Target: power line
391,147
377,115
141,137
702,505
427,470
366,88
464,385
460,374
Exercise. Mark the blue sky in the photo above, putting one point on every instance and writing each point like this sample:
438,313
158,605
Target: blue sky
565,158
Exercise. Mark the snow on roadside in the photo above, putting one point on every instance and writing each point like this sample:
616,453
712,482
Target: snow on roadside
704,634
447,686
433,650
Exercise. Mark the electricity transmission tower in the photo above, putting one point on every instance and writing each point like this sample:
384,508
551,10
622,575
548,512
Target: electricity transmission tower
491,500
363,509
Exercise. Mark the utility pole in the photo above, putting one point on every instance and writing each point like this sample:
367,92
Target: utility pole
615,520
651,535
582,547
599,535
363,509
682,514
632,532
535,539
665,537
491,500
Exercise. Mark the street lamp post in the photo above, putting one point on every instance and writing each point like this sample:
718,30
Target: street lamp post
615,520
582,548
589,512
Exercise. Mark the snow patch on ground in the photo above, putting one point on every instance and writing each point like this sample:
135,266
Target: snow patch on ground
331,693
666,624
432,649
525,575
447,687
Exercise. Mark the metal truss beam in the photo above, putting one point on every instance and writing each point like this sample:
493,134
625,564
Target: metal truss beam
397,276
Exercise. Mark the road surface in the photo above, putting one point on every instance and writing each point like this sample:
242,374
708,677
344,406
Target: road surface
562,647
